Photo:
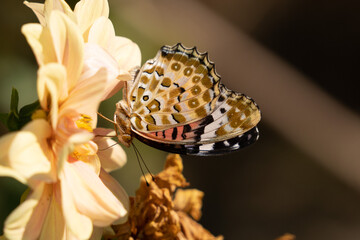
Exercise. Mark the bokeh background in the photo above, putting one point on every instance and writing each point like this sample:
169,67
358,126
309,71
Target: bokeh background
298,59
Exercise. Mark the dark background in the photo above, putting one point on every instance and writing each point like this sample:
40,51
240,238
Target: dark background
272,187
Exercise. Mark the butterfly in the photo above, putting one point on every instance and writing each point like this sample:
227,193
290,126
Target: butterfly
177,103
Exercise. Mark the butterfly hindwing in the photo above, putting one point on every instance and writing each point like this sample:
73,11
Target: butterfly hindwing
209,149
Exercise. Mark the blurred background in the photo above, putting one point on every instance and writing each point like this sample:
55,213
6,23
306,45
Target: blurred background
298,59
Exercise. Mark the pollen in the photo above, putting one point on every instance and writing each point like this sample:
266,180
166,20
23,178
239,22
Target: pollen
84,122
84,152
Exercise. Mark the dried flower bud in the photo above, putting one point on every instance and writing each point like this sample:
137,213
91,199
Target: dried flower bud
155,213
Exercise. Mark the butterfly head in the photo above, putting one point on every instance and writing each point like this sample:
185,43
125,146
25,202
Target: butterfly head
123,124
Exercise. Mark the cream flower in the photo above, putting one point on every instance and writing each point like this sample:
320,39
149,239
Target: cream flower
103,48
71,195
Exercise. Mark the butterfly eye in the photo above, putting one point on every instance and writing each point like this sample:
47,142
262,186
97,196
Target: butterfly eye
146,97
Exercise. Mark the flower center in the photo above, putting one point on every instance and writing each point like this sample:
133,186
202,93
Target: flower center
84,122
84,151
87,154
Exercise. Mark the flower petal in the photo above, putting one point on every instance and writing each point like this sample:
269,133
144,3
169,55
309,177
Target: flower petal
114,86
60,5
87,11
30,143
68,148
68,45
26,221
126,53
114,156
54,224
90,197
79,224
102,32
52,88
86,96
42,11
118,191
36,36
95,58
38,9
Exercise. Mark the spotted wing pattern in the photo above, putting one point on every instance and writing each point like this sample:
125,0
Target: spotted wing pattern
178,103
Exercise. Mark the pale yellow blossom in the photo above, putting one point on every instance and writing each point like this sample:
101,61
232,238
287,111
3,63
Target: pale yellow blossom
71,196
103,49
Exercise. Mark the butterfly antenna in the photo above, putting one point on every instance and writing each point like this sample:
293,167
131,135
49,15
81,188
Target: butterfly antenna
152,176
108,147
142,171
107,119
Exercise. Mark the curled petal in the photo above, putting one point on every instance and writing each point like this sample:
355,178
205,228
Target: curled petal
111,154
30,143
90,196
36,37
60,5
52,88
26,221
38,9
87,11
68,45
42,11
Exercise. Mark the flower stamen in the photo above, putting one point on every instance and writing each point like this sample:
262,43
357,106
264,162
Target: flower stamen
84,122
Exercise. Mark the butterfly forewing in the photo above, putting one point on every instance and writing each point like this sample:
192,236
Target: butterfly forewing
174,88
178,104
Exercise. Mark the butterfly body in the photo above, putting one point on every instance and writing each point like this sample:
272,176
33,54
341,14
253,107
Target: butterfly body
177,103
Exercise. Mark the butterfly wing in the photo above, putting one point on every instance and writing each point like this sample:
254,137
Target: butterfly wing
205,149
178,86
178,104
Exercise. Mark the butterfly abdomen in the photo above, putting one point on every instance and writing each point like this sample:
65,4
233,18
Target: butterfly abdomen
123,124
